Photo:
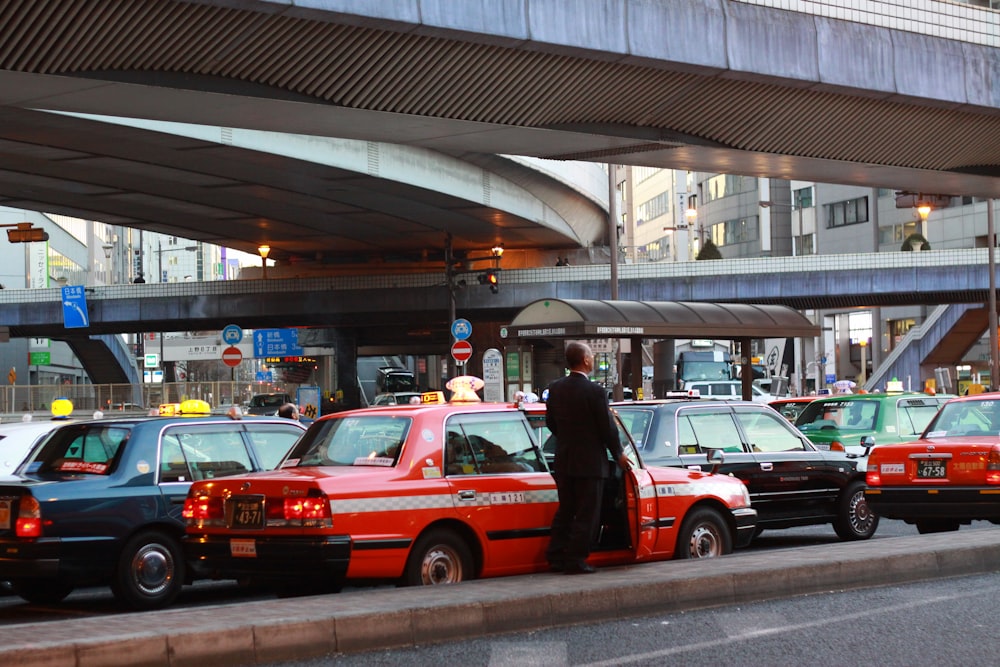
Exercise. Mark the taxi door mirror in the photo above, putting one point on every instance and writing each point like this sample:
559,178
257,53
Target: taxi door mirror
716,458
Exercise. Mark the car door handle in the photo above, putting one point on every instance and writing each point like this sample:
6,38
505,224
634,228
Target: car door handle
767,465
467,495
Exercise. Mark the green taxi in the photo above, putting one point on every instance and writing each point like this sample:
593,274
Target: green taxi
840,421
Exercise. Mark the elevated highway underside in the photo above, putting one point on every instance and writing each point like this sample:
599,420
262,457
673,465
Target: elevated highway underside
738,88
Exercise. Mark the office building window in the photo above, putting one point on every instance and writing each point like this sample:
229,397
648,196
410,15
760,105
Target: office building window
850,212
731,232
653,208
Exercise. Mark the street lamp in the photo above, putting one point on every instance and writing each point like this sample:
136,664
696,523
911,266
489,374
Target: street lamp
264,251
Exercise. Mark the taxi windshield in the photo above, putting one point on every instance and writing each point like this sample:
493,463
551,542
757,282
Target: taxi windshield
966,419
371,440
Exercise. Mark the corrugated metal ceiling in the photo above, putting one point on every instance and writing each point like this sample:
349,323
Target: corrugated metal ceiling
379,70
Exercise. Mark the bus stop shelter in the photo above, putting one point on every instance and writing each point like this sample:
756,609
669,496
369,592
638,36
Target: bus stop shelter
584,319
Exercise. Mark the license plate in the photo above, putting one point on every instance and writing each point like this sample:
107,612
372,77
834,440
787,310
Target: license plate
241,548
5,514
930,468
247,512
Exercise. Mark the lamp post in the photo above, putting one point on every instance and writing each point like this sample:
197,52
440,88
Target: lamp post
264,251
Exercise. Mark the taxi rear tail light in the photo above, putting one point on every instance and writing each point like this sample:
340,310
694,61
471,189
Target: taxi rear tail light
203,510
29,518
310,511
872,477
993,466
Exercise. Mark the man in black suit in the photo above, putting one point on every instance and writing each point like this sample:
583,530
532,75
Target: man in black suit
580,419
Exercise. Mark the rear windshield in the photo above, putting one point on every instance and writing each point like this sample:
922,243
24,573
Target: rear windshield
83,449
966,419
351,441
271,401
838,415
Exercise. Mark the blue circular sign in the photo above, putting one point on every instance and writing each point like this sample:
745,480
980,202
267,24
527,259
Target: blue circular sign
232,334
461,329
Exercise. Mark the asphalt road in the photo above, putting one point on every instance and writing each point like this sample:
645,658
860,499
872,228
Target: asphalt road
938,623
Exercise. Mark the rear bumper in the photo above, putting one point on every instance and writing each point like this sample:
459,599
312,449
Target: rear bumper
77,559
935,502
276,558
746,524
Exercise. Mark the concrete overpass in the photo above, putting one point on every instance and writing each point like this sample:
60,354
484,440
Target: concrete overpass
905,100
409,313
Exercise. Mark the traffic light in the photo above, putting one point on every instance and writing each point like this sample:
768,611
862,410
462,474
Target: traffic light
491,278
25,233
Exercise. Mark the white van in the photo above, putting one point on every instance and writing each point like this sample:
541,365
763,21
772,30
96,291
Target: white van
730,389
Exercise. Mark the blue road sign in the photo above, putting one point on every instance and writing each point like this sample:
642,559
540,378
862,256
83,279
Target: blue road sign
232,334
265,376
74,302
276,343
461,329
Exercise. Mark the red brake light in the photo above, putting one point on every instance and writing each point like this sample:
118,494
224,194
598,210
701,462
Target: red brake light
306,509
993,466
872,476
202,508
29,518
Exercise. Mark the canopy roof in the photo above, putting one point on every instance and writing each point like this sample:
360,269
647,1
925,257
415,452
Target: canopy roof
584,318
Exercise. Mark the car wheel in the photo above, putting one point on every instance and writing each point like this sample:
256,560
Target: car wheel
439,557
704,534
936,526
855,518
41,591
150,571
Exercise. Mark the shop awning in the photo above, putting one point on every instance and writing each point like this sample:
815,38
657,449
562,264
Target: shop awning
584,318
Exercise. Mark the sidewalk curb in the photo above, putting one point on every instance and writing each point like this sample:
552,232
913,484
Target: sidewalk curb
296,628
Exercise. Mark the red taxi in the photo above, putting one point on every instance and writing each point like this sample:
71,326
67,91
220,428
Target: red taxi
440,493
949,476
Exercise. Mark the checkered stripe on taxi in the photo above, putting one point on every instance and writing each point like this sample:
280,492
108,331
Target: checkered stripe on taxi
441,501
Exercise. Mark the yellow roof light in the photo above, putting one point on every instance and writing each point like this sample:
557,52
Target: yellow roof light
62,408
194,406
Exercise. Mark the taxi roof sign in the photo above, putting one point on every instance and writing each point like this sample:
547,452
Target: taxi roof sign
464,388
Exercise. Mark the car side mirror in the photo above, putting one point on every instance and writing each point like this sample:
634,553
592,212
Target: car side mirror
868,441
716,458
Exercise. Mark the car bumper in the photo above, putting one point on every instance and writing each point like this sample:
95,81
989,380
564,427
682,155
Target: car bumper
746,524
74,558
935,503
279,558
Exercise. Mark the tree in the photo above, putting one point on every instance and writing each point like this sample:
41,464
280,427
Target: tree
914,240
709,251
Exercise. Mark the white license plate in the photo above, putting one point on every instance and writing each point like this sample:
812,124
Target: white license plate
5,514
243,548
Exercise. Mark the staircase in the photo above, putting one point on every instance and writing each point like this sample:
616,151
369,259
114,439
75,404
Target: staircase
947,333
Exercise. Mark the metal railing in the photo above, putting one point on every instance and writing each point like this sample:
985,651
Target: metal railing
17,400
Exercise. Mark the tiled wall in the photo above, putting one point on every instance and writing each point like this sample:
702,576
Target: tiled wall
940,18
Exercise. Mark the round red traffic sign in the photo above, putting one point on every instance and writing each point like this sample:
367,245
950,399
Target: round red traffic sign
232,356
461,351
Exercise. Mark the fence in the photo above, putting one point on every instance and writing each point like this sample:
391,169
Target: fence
19,399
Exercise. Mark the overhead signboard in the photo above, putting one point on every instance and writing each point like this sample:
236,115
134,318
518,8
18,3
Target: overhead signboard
276,343
74,303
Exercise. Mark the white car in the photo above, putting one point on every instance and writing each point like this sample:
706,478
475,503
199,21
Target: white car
727,389
17,439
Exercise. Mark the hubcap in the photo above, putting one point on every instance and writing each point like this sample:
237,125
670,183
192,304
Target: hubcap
861,515
153,569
